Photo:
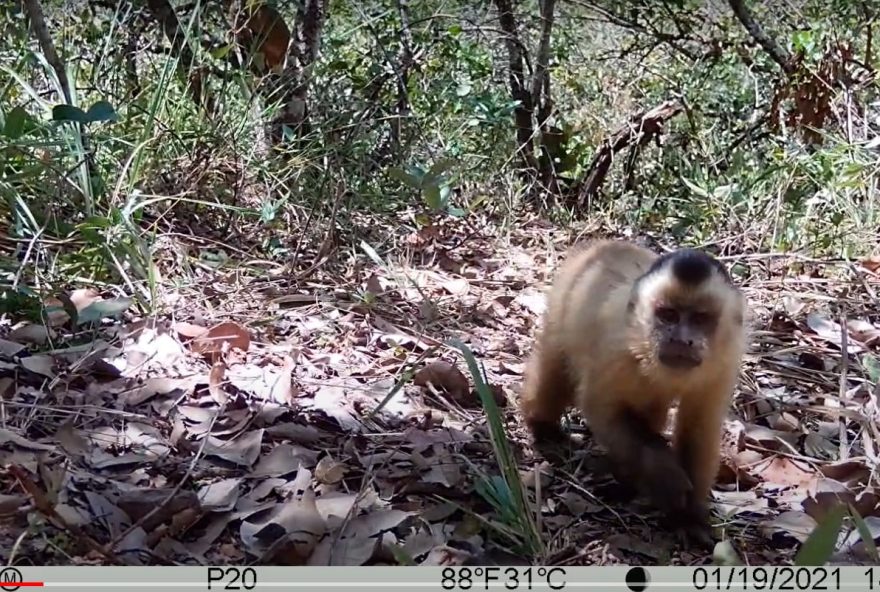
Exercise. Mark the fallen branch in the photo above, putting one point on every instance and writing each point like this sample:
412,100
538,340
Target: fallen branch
641,129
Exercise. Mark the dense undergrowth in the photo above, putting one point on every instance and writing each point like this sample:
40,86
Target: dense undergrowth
740,166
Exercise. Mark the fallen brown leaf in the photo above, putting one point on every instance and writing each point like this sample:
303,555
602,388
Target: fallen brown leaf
11,437
288,534
783,471
188,330
82,298
243,450
445,377
355,550
73,442
871,263
139,503
31,334
39,364
220,496
793,523
10,504
328,471
10,349
457,286
220,337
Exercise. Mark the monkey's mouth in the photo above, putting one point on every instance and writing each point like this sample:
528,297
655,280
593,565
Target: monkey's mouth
679,357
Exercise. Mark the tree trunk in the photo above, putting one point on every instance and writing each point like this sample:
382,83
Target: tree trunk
522,114
541,97
292,88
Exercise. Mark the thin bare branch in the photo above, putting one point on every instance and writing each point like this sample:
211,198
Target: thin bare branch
779,54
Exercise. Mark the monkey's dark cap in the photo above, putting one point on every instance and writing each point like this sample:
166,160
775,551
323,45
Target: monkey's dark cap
690,267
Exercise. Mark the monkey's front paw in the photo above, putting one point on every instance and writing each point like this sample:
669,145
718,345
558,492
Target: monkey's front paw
550,440
697,512
546,432
692,526
666,483
697,534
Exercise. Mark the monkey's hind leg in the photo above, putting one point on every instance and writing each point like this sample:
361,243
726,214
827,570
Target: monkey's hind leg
547,393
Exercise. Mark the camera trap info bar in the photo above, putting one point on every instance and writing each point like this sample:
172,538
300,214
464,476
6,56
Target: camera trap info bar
388,579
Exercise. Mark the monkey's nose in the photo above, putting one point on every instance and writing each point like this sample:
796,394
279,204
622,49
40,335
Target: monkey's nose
679,353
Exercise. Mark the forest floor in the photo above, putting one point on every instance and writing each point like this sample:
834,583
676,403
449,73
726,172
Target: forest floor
103,430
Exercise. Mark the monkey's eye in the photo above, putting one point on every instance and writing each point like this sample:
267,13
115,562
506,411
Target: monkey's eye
701,318
667,315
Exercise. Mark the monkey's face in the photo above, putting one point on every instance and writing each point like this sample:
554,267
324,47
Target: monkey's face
681,335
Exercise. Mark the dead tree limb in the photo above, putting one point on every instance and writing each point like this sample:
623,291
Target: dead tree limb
641,129
779,54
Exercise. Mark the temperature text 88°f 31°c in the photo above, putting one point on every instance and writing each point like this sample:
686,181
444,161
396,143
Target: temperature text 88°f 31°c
512,578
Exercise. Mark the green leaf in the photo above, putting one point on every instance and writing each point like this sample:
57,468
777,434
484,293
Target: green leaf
417,172
221,52
803,41
432,197
401,556
872,367
69,113
404,177
103,308
440,167
102,111
516,508
445,190
456,212
478,201
865,533
820,545
699,191
15,123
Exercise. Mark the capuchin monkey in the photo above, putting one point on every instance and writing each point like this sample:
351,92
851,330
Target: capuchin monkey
627,334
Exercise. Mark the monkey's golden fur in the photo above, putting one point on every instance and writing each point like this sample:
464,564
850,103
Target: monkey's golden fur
597,352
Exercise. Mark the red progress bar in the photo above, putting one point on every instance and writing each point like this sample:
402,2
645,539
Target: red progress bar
21,584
